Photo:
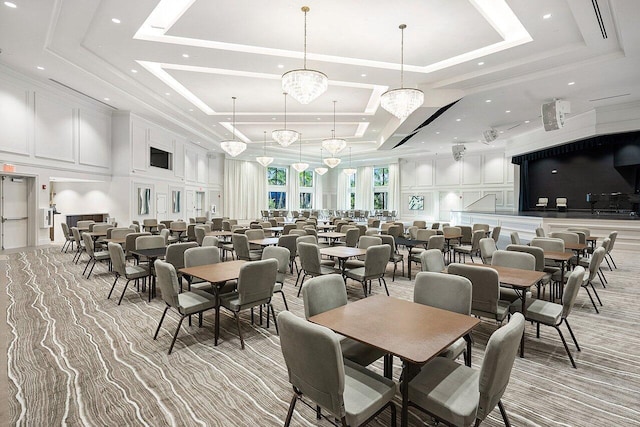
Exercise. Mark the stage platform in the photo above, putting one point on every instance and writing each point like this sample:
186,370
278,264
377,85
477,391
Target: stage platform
525,223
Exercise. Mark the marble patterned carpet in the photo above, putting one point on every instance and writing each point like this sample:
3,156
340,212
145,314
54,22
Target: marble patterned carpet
76,358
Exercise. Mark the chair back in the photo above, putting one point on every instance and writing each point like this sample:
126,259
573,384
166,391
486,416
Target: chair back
540,232
201,219
389,241
287,228
165,233
76,235
475,240
84,224
149,242
101,228
582,238
216,224
594,263
495,233
436,242
241,246
298,232
483,227
135,228
451,231
412,232
307,238
586,231
130,241
538,253
256,281
121,233
566,236
515,238
467,234
375,264
486,287
175,253
612,236
289,242
512,259
548,244
432,260
487,248
309,254
254,234
150,222
435,226
425,234
543,201
199,231
314,361
561,202
420,224
444,291
88,243
499,356
226,225
210,241
65,230
574,282
116,253
203,255
366,241
351,240
323,293
167,282
311,231
280,254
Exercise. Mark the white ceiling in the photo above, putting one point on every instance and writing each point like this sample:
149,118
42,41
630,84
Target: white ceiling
473,50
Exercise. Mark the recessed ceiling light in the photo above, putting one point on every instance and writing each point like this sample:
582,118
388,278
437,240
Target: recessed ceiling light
422,142
364,118
374,130
546,16
273,118
487,100
190,109
133,70
9,4
318,118
167,93
571,83
481,63
507,111
213,126
437,133
501,131
363,75
228,118
280,66
455,137
40,67
198,142
106,99
185,55
457,120
527,121
115,20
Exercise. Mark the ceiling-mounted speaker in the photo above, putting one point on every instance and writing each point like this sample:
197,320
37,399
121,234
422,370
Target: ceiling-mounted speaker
553,114
458,151
490,135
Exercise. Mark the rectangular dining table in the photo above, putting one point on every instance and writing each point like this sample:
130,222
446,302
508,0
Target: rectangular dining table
152,254
410,244
332,236
216,274
562,258
267,241
415,333
342,253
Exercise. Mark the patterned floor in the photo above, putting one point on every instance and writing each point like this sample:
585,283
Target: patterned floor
76,358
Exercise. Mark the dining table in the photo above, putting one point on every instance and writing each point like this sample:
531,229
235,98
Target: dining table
410,244
332,236
415,333
216,274
152,254
343,253
562,257
267,241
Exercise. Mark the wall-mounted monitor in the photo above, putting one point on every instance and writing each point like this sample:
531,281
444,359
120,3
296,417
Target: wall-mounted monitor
160,159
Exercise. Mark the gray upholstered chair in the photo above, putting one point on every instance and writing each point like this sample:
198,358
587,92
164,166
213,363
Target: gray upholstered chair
121,269
394,256
80,249
590,275
201,219
447,292
255,288
612,236
363,243
179,229
94,256
471,249
130,242
542,202
352,236
432,260
210,241
412,232
135,227
281,255
584,262
495,233
318,371
68,237
85,224
552,314
204,255
289,242
515,238
149,224
310,263
483,227
216,224
540,232
460,395
242,250
375,265
550,244
487,249
149,242
185,303
420,224
467,234
538,254
199,232
561,204
175,257
486,291
298,232
512,259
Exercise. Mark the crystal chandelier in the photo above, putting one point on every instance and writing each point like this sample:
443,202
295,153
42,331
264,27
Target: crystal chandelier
321,170
285,137
300,167
349,171
334,145
332,162
304,85
231,146
264,160
403,101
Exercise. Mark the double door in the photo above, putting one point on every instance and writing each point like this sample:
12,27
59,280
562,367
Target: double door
14,212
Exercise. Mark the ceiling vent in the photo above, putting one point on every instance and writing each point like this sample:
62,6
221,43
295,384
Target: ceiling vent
596,10
458,151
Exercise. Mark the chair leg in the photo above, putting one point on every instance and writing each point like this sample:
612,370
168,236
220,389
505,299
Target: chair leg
113,286
595,292
292,405
566,347
304,276
572,336
284,299
385,285
395,267
603,279
393,414
591,298
173,341
237,316
123,291
86,266
611,258
608,264
504,414
298,278
92,267
364,287
155,336
273,313
477,423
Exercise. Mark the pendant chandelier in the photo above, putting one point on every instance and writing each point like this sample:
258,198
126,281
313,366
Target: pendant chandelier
349,171
304,85
334,145
264,160
403,101
332,162
231,146
300,167
321,170
285,137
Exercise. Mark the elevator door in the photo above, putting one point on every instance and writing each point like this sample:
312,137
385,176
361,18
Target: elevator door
14,212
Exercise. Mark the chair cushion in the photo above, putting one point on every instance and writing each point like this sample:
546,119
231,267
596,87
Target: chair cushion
365,392
358,352
354,263
136,271
355,273
454,350
501,312
448,390
195,301
228,287
101,255
328,262
541,311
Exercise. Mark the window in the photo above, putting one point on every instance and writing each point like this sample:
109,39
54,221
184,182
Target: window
306,179
380,200
277,200
380,188
306,189
380,177
352,190
277,176
305,200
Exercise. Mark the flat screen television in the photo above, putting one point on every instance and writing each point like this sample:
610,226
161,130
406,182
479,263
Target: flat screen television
160,159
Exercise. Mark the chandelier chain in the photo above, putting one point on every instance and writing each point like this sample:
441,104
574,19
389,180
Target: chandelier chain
233,130
402,27
305,9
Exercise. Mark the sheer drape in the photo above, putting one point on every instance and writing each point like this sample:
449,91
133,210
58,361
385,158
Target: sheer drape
245,189
343,191
364,188
293,189
394,200
317,191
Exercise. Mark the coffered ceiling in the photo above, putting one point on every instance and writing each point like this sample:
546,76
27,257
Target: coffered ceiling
179,62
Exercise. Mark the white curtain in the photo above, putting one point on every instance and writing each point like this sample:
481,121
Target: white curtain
317,191
395,197
294,189
245,189
343,192
364,188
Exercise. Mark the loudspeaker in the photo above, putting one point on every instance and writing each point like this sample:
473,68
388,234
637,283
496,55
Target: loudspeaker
458,151
490,135
553,114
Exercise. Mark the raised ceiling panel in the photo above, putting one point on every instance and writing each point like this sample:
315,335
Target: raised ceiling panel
54,130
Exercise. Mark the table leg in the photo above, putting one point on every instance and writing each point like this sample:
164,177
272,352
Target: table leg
524,313
561,290
409,262
409,371
216,298
388,366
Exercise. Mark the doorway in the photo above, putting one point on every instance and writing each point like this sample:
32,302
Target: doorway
200,204
14,212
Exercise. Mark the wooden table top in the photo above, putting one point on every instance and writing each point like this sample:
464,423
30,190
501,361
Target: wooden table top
557,256
452,236
575,246
327,227
276,229
342,251
267,241
121,241
332,235
515,277
414,332
216,273
410,242
219,233
97,233
151,252
591,238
